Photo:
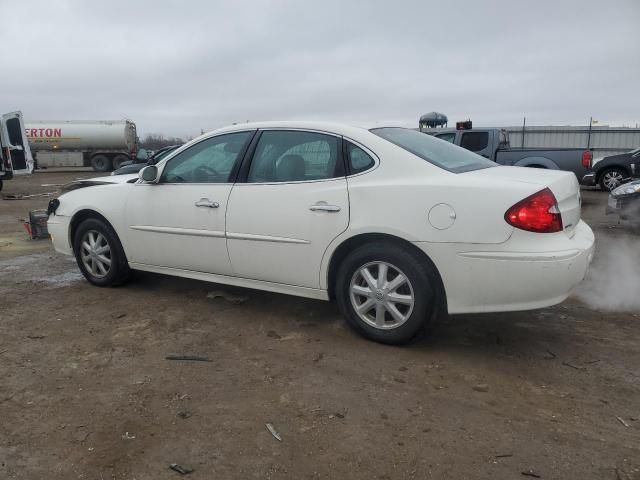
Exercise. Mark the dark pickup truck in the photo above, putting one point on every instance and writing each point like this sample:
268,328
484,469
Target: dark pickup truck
493,143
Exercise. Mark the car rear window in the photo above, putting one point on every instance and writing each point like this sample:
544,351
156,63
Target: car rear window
442,154
475,141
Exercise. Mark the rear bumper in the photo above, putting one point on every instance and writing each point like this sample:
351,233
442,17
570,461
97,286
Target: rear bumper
509,279
589,179
58,226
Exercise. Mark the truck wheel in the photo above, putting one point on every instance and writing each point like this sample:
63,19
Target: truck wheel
100,163
117,161
612,178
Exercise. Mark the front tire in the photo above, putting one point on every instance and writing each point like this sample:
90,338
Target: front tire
99,254
387,293
612,178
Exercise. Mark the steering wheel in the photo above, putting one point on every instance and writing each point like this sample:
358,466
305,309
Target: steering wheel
205,170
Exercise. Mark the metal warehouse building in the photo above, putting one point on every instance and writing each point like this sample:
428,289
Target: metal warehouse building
603,141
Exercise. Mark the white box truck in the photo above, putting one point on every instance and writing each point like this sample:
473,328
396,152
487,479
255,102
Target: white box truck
15,155
103,145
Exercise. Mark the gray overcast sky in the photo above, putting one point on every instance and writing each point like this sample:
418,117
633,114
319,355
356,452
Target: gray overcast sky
179,67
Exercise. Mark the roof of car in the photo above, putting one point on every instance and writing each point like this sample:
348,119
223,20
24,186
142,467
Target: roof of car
337,128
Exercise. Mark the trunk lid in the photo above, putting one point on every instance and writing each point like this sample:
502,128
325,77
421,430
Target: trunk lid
564,186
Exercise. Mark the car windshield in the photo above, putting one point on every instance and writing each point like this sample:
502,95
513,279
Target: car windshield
442,154
160,155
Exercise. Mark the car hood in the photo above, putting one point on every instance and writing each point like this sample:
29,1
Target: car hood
112,179
90,182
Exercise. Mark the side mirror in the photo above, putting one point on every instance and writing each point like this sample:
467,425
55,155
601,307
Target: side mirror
149,174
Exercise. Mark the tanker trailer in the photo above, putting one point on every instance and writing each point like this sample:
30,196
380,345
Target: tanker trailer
103,145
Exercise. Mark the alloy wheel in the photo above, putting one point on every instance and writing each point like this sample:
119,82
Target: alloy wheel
95,253
381,295
612,179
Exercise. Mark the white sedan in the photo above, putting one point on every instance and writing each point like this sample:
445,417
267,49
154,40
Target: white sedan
394,225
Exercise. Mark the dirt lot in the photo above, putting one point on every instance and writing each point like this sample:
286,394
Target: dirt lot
86,391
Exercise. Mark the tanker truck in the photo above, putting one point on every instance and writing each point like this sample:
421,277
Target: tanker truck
103,145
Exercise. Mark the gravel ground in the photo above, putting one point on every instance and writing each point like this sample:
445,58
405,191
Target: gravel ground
86,390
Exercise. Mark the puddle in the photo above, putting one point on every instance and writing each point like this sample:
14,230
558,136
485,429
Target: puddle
53,271
14,263
61,280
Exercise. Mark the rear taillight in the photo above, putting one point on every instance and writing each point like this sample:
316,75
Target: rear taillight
587,156
537,213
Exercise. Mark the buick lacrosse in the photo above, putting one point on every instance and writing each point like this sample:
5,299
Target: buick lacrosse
396,226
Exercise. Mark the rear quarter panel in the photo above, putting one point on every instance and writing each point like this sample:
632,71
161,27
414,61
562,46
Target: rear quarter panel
396,199
402,207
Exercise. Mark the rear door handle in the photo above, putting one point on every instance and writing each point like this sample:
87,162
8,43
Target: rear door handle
205,202
324,207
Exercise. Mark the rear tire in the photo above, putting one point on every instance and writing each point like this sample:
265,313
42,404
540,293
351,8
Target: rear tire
100,163
612,178
118,160
99,254
387,293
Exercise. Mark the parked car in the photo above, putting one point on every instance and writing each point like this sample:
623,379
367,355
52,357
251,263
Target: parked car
134,167
493,143
613,171
394,225
625,201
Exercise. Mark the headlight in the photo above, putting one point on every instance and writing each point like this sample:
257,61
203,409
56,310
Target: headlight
53,206
628,189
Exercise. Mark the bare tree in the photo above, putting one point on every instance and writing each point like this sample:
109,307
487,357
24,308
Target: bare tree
154,141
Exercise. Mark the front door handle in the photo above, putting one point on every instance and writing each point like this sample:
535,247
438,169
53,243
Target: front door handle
205,202
324,207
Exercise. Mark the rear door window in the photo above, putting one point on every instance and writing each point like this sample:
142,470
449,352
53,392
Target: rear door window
475,141
447,137
295,156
